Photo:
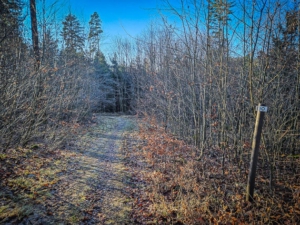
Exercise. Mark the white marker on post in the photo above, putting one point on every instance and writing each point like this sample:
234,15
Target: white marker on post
262,108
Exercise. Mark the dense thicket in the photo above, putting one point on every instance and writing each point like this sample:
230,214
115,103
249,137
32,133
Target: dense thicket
204,75
55,81
201,76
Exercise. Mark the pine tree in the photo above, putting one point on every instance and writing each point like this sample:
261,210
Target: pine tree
11,42
100,63
72,34
95,25
220,11
10,45
50,49
10,19
285,44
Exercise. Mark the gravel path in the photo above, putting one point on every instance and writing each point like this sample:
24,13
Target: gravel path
103,146
86,183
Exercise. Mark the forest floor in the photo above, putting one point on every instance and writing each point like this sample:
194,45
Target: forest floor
177,186
85,183
117,170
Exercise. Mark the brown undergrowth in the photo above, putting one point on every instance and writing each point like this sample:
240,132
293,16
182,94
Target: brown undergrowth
175,186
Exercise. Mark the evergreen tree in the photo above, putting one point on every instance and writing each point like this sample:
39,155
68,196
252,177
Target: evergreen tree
104,85
122,86
11,44
220,11
50,49
10,18
95,31
100,63
72,34
285,44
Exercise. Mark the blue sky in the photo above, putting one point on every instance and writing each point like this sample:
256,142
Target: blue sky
134,15
119,17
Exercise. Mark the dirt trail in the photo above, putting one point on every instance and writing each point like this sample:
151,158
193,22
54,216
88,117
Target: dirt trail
86,183
105,164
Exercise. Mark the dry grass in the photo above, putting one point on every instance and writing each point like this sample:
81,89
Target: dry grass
81,184
28,181
175,187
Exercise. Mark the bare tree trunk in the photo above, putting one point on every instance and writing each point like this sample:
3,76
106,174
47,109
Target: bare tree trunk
34,32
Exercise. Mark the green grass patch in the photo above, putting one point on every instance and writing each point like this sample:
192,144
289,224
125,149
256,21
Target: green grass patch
15,210
3,156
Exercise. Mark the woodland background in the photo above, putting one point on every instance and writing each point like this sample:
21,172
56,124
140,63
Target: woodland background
200,78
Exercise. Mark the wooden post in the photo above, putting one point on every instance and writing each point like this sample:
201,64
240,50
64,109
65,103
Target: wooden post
261,109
